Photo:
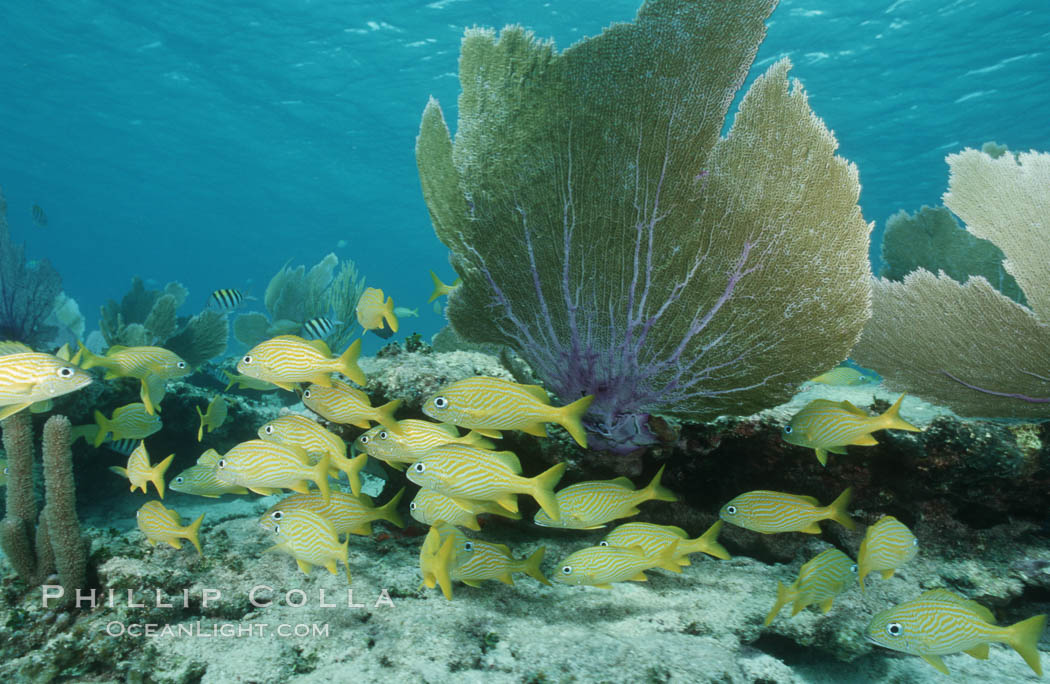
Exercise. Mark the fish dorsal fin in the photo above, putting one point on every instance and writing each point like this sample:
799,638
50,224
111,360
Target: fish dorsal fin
509,459
974,607
449,428
115,348
622,482
538,392
853,409
810,500
209,458
14,348
677,531
320,346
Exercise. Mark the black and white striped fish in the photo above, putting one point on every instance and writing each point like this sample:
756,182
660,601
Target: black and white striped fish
226,299
318,328
122,446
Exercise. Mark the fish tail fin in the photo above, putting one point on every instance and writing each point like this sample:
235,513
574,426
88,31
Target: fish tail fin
200,430
444,564
103,428
668,558
85,358
838,510
192,532
353,467
386,416
892,420
156,475
543,490
388,314
348,363
783,597
440,288
388,511
531,566
320,476
232,379
655,491
570,417
708,543
1023,637
862,572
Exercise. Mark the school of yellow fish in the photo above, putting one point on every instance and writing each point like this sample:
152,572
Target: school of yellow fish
462,476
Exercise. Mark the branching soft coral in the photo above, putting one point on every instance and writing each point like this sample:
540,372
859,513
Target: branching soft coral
27,290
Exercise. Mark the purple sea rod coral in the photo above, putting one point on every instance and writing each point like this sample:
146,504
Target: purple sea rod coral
605,230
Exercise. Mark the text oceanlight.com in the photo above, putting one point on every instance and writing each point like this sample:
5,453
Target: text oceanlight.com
204,630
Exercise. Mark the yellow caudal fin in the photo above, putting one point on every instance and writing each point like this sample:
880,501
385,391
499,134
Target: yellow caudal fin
570,417
1023,637
891,420
708,543
442,565
85,358
543,490
156,475
838,510
440,288
353,467
531,566
320,476
192,532
152,392
200,430
668,558
386,418
655,491
388,511
103,428
388,314
347,363
785,595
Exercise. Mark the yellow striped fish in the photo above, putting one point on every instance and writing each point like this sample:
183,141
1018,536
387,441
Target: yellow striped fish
131,421
489,405
288,359
245,382
348,514
266,467
939,623
161,524
773,512
829,426
152,366
887,545
29,377
313,438
372,311
141,473
436,556
462,471
477,560
844,376
417,436
820,580
347,405
213,417
600,566
200,479
311,540
441,289
653,539
589,505
430,508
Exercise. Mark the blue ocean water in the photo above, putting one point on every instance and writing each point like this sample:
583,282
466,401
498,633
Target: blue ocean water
212,142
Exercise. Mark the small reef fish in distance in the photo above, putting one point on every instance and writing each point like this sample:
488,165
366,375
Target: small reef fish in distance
161,524
829,426
346,405
27,377
488,405
405,312
319,328
462,471
140,473
246,382
441,289
373,312
153,366
939,623
314,438
417,436
348,514
266,467
311,540
131,421
887,545
288,359
819,581
844,376
590,505
39,217
653,539
213,418
774,512
227,299
200,479
430,507
601,566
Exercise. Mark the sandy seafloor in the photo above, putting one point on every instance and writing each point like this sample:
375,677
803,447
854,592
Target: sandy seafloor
704,625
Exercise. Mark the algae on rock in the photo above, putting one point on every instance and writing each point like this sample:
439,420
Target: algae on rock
605,231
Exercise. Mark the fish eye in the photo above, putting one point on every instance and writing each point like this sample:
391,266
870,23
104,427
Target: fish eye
221,463
277,515
731,510
180,364
894,629
914,542
179,479
412,506
419,467
603,543
853,568
365,439
468,546
137,513
440,402
247,360
65,372
269,429
787,429
382,434
307,394
566,570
